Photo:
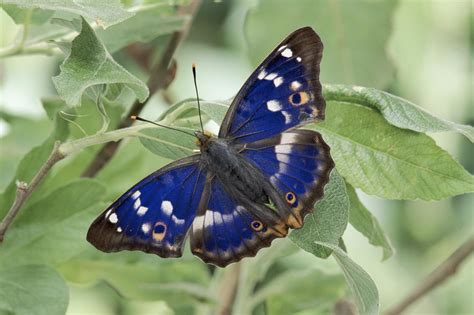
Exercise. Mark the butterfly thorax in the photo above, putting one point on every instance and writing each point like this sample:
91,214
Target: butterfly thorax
223,160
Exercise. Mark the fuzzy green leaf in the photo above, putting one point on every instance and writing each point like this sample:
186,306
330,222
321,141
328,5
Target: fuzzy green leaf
32,161
89,64
364,222
396,110
387,161
143,27
361,284
328,221
105,12
168,143
354,45
53,229
19,15
32,289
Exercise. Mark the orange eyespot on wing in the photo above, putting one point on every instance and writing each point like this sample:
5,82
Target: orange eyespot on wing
256,225
159,231
299,98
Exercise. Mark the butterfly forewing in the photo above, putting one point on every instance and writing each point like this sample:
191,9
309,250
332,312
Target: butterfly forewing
283,92
154,215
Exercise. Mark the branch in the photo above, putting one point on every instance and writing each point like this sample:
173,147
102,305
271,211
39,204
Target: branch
447,269
228,290
161,76
24,190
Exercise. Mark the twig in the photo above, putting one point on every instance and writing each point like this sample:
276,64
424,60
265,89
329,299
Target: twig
159,79
228,291
438,276
24,190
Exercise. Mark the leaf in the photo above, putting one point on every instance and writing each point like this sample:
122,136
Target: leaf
32,161
364,222
361,284
167,143
355,46
53,229
32,289
143,27
389,162
328,221
138,276
396,110
106,12
185,110
19,15
90,64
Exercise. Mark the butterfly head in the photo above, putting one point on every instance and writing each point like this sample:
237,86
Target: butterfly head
203,138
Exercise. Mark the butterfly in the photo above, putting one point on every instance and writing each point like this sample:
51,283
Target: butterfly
256,180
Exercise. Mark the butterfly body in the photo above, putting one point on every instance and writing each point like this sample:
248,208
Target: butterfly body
249,185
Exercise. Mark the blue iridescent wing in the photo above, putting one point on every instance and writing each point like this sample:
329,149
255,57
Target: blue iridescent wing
226,229
155,215
298,164
283,92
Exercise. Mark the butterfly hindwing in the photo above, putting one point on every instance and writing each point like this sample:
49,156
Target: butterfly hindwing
154,215
283,92
298,164
225,230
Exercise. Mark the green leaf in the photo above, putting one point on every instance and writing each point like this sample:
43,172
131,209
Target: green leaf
364,222
32,161
143,27
396,110
328,221
167,143
389,162
184,112
138,276
105,13
53,229
90,64
354,45
20,15
362,286
32,289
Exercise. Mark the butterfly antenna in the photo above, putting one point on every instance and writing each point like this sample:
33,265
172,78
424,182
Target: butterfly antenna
197,95
133,117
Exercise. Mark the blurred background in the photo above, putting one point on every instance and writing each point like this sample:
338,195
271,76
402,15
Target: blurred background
420,50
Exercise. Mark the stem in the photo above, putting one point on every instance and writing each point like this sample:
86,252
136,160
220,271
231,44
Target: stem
159,79
228,291
447,269
24,190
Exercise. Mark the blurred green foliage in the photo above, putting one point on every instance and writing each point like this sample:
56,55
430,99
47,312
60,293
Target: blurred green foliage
419,51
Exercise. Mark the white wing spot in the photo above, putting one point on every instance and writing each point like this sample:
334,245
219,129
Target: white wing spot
113,218
136,194
137,204
167,207
295,85
282,47
271,76
287,53
119,229
274,106
278,81
262,74
142,210
287,117
146,227
176,220
298,59
108,213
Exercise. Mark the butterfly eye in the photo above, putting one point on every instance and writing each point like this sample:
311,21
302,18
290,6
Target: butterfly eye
298,99
290,198
257,225
159,231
